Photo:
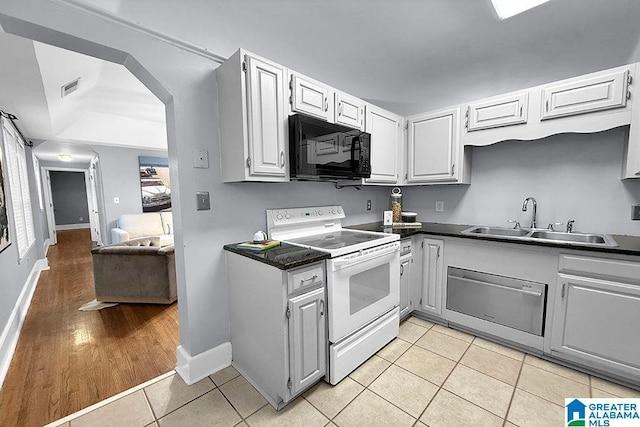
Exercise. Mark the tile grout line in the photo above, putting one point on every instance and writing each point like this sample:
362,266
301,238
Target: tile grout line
440,387
513,393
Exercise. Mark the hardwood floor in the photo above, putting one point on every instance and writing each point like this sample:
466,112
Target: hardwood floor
68,359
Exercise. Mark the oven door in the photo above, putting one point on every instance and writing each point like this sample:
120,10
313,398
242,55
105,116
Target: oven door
361,287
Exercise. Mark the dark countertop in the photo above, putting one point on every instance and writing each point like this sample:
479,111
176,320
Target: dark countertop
627,245
284,257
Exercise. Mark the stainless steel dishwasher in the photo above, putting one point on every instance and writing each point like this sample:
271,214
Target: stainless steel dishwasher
508,301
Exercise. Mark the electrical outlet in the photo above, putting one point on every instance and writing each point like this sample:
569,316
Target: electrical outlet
439,206
116,200
80,219
368,205
635,212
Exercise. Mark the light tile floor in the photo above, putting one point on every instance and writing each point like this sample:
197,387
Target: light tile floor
429,375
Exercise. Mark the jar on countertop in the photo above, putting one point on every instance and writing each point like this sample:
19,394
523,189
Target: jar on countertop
396,204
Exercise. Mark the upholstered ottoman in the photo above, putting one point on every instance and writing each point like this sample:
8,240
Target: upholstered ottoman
136,271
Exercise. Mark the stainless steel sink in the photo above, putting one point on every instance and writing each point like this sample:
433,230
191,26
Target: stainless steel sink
575,238
497,231
593,239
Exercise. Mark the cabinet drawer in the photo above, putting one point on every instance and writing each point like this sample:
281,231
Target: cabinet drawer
305,278
612,269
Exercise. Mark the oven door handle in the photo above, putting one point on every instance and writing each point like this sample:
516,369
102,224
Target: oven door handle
342,262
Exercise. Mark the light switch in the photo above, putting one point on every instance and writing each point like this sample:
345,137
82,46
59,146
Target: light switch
203,203
200,158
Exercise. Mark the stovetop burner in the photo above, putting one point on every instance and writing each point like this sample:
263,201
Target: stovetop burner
335,239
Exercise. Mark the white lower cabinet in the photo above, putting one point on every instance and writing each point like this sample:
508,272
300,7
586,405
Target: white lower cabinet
307,342
278,326
432,276
596,320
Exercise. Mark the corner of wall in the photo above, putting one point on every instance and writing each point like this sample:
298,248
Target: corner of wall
194,368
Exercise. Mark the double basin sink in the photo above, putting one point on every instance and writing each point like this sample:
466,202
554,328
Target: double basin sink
535,234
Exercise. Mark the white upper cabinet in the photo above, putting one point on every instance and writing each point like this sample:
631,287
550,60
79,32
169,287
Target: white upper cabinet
253,124
310,97
503,111
600,92
267,130
349,111
386,145
433,145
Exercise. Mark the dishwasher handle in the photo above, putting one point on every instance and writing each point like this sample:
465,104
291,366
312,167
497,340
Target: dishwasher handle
495,285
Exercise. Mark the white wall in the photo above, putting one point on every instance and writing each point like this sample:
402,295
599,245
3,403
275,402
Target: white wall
571,176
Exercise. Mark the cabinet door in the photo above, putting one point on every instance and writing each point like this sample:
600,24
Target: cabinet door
309,97
432,265
510,110
433,143
266,120
307,340
349,111
386,142
596,322
405,275
597,93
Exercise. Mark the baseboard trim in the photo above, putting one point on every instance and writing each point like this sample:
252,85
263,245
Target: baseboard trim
194,368
46,245
11,332
73,226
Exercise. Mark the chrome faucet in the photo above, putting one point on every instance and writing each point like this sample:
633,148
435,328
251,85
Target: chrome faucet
535,207
570,225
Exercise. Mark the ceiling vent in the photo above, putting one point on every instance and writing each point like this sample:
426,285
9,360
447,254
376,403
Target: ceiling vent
70,87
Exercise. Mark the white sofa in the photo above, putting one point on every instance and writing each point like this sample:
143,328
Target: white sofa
148,224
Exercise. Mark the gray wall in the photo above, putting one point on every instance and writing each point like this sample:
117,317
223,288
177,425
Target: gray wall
69,193
119,176
570,175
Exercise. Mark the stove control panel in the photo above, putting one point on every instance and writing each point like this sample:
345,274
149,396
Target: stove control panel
287,217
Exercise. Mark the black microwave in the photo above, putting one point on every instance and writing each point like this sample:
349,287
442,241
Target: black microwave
321,150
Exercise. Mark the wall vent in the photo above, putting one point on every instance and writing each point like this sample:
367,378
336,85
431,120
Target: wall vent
70,87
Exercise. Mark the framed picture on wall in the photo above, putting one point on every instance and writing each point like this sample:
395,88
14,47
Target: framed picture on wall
155,183
5,238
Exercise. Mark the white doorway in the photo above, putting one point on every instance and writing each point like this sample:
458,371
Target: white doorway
92,201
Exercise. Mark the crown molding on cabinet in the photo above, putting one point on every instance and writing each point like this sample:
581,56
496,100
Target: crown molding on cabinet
173,41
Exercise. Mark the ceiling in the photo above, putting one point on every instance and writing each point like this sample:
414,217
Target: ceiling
408,56
109,107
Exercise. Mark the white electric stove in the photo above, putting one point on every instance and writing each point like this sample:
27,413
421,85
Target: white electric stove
363,281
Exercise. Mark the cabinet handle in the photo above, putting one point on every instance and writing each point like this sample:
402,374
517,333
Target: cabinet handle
326,104
546,105
312,279
453,168
401,269
521,111
340,109
282,159
438,253
564,285
321,307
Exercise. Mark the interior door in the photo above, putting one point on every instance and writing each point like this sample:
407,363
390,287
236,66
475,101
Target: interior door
48,206
92,201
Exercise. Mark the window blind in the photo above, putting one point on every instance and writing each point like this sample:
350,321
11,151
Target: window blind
16,167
